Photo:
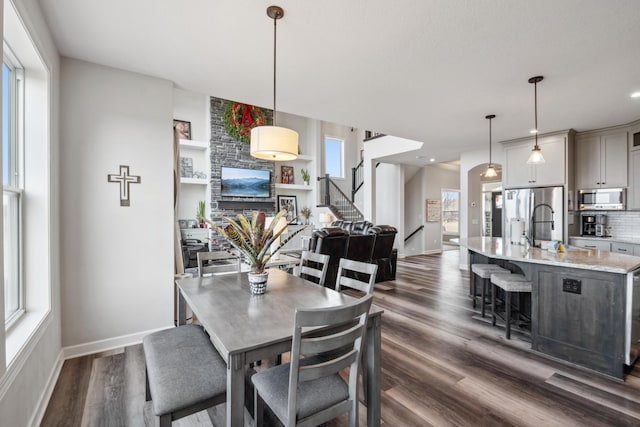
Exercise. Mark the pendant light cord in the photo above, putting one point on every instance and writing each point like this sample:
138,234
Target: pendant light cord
535,100
275,28
490,141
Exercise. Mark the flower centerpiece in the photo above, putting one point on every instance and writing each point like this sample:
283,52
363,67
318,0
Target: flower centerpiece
253,239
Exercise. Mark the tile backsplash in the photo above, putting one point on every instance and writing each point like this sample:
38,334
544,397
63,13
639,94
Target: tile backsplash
622,225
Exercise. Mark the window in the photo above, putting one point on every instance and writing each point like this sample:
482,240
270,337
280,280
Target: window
12,96
334,157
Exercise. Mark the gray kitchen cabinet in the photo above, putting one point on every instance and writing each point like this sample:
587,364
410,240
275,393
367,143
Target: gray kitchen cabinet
600,245
636,250
601,160
519,174
623,248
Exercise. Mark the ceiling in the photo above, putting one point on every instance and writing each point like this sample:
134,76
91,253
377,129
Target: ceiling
427,70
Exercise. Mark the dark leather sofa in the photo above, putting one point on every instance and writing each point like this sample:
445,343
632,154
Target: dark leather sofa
359,241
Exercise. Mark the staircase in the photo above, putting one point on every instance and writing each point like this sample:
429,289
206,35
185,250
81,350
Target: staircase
332,197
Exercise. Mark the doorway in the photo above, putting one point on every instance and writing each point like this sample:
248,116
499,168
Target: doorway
450,219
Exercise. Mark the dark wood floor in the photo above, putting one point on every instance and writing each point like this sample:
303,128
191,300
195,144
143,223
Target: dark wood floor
441,366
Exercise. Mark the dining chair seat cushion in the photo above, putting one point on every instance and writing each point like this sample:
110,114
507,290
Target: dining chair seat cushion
183,368
312,396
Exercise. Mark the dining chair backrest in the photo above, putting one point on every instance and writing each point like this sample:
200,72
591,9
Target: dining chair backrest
218,262
313,267
356,275
346,325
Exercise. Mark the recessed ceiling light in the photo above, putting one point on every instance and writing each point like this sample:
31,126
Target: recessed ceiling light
635,95
533,131
432,159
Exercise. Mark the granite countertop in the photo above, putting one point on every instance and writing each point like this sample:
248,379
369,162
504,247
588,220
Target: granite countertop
499,248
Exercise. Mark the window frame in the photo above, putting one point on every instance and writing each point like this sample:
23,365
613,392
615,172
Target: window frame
15,187
342,160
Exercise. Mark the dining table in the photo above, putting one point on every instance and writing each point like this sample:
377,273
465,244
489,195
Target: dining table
246,328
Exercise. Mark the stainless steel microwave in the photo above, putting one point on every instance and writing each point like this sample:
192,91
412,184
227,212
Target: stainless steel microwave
604,199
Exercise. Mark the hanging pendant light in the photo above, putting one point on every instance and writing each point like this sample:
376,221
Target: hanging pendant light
491,170
536,156
274,142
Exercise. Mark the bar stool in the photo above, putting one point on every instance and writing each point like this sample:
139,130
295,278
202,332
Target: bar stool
510,284
484,271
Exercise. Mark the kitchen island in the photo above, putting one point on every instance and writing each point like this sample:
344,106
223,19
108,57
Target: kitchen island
585,304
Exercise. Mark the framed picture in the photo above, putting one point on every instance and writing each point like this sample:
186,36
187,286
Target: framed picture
287,174
182,128
291,205
434,207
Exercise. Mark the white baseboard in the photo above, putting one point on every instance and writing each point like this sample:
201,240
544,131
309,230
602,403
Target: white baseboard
432,251
106,344
43,402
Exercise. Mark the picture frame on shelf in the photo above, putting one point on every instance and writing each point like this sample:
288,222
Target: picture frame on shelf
186,167
286,173
182,128
290,203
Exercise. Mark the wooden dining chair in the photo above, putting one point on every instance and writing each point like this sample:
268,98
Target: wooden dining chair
219,262
357,275
314,390
313,267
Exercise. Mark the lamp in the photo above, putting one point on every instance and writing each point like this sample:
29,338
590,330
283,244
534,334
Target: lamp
491,170
274,142
325,219
536,156
281,225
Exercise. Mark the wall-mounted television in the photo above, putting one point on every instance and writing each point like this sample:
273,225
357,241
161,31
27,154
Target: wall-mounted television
238,182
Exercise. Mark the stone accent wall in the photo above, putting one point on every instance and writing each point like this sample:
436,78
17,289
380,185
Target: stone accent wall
227,151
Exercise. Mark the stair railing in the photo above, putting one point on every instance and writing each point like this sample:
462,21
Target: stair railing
357,179
331,196
414,233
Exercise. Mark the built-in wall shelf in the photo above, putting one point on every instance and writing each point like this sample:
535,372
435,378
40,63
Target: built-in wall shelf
196,145
301,187
197,181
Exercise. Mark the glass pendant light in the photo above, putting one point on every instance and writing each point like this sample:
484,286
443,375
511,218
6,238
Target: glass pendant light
491,170
274,142
536,156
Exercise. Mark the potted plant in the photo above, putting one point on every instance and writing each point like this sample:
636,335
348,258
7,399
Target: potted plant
253,239
305,213
200,214
305,176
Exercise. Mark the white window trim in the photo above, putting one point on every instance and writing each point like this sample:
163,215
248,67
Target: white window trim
16,172
343,172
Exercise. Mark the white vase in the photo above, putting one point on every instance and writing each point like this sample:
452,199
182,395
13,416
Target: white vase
306,183
258,282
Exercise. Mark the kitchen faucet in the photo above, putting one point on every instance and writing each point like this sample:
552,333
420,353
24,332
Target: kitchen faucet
534,222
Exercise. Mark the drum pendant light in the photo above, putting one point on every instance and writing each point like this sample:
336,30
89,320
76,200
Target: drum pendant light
274,142
491,170
536,156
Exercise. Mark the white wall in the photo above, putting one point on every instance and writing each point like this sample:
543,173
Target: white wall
471,191
117,262
28,382
390,200
195,108
414,213
435,179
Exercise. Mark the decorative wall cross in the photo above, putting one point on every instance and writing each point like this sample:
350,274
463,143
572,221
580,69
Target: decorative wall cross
124,179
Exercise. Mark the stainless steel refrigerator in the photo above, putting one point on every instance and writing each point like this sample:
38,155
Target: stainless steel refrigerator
538,212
